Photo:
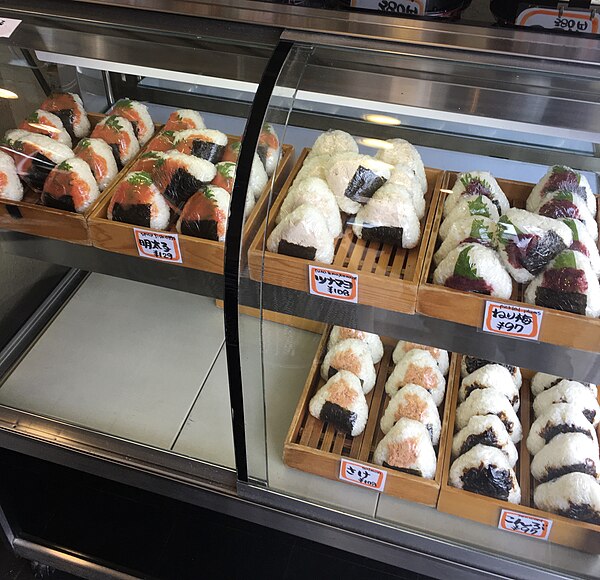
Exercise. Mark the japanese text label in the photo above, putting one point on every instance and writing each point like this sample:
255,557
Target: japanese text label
569,20
333,284
410,7
362,475
525,525
515,321
156,246
8,26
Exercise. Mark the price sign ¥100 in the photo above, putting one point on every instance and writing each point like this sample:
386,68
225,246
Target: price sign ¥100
363,475
525,525
158,246
514,321
333,284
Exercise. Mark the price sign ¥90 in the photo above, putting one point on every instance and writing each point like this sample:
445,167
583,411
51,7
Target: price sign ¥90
514,321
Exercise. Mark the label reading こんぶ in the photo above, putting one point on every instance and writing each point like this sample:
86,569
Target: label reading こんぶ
410,7
525,525
157,246
362,475
509,320
333,284
582,21
8,26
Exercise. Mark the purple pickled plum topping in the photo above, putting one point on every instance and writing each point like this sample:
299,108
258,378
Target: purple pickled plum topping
516,250
465,284
580,247
564,181
560,208
570,280
476,187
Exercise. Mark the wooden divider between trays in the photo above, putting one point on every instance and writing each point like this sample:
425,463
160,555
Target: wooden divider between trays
317,447
388,275
487,510
198,253
29,216
560,328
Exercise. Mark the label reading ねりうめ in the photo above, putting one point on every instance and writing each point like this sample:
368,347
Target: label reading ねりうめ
362,475
526,525
8,26
411,7
509,320
552,18
333,284
157,246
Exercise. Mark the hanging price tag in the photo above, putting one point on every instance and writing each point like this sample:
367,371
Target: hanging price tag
569,20
8,26
409,7
509,320
525,525
333,284
156,246
362,475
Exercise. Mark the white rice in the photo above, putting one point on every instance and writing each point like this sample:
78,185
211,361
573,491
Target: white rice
406,178
440,355
82,128
209,135
313,191
373,342
351,355
338,386
459,190
536,198
407,446
124,126
102,149
569,392
483,425
469,228
569,452
403,154
81,169
190,115
53,150
515,372
220,197
200,169
519,221
12,187
490,402
314,167
559,415
60,134
484,263
413,402
584,243
592,308
585,215
491,376
258,178
144,124
469,205
542,382
565,494
484,459
418,367
307,227
390,206
332,142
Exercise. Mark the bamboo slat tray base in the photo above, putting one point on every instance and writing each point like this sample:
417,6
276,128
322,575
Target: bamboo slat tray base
316,447
197,253
486,510
560,328
29,216
388,276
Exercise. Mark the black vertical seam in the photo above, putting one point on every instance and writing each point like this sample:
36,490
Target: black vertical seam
233,244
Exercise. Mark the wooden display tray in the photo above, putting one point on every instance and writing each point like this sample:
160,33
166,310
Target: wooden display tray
388,276
198,253
560,328
316,447
29,216
486,510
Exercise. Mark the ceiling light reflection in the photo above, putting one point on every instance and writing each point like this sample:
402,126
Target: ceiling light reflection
381,119
375,143
6,94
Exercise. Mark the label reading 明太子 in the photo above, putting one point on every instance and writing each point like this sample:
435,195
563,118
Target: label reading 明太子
157,246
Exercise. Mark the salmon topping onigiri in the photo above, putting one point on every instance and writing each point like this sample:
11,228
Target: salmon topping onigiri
162,142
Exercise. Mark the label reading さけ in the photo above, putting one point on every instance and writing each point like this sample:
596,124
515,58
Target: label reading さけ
363,475
509,320
333,284
157,246
525,525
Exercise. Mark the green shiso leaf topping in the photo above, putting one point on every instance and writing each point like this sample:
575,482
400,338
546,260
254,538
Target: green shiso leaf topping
563,195
84,144
235,145
565,259
468,178
478,207
573,226
507,231
209,193
463,266
560,169
169,134
65,166
33,118
140,178
151,155
114,123
478,230
123,104
226,169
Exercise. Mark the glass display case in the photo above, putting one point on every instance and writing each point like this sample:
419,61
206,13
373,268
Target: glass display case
180,349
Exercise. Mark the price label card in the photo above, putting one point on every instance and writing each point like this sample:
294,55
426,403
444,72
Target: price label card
8,26
362,475
333,284
157,246
410,7
569,20
509,320
530,526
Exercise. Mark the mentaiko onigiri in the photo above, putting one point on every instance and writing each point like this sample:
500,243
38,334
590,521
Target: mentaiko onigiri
183,119
477,183
69,108
49,124
138,115
206,144
205,214
100,158
70,186
268,148
118,133
10,186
